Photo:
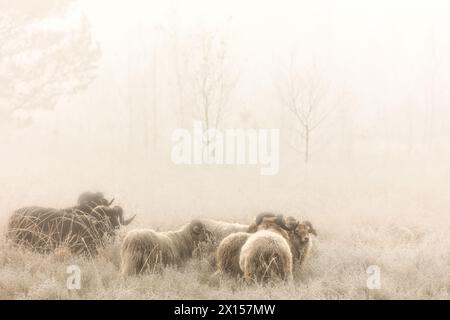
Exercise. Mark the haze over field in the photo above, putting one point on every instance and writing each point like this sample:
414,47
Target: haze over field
92,91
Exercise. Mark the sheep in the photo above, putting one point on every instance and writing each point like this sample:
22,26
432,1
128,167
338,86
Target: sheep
82,230
227,254
301,241
221,229
146,250
266,255
297,234
87,201
253,227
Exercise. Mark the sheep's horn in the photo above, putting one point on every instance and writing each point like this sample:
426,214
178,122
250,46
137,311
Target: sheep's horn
127,221
291,223
280,221
110,202
263,215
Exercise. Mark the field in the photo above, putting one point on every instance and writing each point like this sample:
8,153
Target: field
334,112
397,229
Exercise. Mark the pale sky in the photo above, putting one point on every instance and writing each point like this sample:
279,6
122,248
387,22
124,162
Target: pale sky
362,45
377,52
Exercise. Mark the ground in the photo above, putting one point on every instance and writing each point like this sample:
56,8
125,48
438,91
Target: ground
413,259
395,219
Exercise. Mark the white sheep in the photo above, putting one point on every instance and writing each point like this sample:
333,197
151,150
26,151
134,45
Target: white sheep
146,250
228,252
221,229
266,255
297,235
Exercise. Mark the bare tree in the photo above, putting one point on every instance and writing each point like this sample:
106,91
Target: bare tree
214,80
304,94
143,89
179,65
38,65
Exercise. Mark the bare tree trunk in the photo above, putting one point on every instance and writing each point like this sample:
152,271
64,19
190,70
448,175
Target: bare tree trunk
130,123
130,104
306,144
145,128
304,98
206,115
56,131
154,99
173,27
179,80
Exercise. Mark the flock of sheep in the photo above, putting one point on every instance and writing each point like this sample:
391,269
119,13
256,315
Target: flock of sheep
265,250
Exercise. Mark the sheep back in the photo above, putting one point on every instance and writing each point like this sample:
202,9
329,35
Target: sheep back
227,255
146,250
266,255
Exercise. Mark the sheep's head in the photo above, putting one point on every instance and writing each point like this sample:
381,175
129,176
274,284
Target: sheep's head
87,201
291,223
300,237
199,232
303,231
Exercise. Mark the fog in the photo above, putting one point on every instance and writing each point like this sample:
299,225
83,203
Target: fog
91,93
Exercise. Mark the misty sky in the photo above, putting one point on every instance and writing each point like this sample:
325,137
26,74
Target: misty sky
380,56
384,62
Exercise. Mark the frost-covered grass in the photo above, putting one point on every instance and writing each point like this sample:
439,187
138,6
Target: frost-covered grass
414,260
396,219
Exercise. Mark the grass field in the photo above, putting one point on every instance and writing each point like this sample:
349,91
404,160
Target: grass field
413,259
392,223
